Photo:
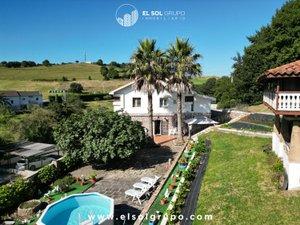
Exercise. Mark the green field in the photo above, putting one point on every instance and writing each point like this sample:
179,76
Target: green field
238,186
200,80
43,78
80,71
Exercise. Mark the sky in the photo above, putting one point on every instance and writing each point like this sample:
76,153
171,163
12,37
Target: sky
63,30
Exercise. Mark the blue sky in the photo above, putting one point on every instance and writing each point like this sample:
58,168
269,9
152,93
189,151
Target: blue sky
62,30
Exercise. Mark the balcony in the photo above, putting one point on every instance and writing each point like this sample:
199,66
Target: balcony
283,102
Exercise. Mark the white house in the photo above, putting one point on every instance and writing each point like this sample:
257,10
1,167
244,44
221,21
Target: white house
22,99
135,103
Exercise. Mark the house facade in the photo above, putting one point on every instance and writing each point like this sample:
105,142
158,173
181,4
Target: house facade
282,96
19,100
135,103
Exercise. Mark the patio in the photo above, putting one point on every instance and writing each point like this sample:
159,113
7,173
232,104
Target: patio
114,182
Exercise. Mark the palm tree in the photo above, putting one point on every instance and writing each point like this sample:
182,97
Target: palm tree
182,61
148,73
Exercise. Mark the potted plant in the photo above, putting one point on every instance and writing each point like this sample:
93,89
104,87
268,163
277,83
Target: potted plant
172,186
182,162
93,177
163,201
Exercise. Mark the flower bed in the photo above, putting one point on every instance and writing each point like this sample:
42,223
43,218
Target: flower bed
171,198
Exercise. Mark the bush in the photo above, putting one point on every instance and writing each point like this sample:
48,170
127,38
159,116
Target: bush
76,88
47,174
99,136
278,166
38,126
12,194
92,97
64,183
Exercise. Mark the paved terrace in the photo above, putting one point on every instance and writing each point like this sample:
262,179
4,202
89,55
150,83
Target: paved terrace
113,182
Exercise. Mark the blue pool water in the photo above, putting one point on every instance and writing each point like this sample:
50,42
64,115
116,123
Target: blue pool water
78,208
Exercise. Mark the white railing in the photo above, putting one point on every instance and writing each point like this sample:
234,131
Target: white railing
289,101
283,100
270,98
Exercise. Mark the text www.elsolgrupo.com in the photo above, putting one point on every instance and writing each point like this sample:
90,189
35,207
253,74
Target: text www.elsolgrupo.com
152,217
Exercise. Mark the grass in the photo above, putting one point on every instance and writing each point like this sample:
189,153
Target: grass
200,80
75,188
78,71
238,186
255,108
103,103
43,78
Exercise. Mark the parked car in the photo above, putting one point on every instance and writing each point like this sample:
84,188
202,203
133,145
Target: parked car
33,165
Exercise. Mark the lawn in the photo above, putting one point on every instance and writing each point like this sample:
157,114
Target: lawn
238,186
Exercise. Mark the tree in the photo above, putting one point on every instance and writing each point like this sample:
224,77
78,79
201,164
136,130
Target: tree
99,62
208,88
273,45
148,73
182,61
46,63
75,88
225,93
112,73
38,126
65,109
99,136
104,72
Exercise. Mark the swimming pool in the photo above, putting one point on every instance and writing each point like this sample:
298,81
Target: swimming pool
79,208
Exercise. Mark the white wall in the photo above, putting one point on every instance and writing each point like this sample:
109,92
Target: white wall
201,104
292,169
19,101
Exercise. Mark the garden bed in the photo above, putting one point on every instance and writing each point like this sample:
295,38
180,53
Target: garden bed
174,194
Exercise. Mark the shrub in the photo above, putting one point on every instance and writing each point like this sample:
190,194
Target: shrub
38,126
75,88
64,183
64,78
278,166
47,174
12,194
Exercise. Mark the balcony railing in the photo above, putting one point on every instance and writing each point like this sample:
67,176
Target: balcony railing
283,100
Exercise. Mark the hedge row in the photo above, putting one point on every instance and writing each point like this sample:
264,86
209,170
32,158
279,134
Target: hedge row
83,97
14,193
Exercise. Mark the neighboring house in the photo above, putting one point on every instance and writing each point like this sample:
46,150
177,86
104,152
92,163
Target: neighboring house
135,103
19,100
282,96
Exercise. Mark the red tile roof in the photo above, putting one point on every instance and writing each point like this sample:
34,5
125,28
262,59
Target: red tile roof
288,70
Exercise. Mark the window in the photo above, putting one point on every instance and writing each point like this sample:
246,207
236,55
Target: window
116,98
136,102
163,102
192,107
189,98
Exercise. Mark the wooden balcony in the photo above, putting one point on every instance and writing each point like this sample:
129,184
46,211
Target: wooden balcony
283,102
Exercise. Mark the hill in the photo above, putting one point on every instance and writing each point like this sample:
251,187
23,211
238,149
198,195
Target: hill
45,78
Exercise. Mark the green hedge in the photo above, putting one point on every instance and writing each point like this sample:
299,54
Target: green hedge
14,193
94,97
